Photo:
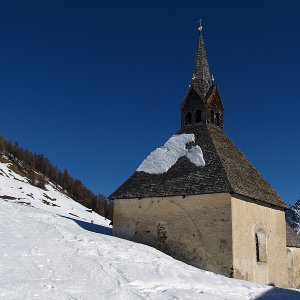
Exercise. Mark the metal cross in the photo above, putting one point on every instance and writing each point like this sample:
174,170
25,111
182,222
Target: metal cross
200,24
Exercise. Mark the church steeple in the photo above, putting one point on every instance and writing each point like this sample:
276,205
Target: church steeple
201,75
202,104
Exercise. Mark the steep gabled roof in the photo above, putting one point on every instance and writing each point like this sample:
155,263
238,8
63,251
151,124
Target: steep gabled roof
226,170
197,94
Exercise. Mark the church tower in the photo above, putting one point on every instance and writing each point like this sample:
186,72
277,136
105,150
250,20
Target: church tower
202,104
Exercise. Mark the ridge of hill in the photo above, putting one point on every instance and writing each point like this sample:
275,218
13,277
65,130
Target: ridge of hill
40,171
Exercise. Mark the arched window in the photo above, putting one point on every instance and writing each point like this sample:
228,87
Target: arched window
198,117
261,245
218,119
289,258
212,117
188,119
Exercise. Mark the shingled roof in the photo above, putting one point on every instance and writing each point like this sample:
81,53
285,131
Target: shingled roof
226,170
292,239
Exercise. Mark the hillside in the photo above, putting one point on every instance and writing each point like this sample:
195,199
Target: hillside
51,247
39,171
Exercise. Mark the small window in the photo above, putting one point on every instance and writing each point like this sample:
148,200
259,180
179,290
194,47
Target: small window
198,117
261,245
212,117
289,258
218,119
188,119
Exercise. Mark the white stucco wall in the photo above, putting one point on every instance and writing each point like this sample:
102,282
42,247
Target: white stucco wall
194,229
247,217
214,232
294,267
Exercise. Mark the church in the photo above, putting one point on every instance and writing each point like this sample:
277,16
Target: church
200,200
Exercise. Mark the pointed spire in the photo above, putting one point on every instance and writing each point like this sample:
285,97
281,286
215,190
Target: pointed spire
201,76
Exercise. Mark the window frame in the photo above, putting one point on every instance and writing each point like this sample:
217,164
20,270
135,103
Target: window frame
261,246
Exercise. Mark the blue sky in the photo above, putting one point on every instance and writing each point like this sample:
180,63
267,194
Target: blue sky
95,86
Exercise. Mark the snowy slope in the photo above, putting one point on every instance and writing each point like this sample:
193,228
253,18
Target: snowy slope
18,189
47,253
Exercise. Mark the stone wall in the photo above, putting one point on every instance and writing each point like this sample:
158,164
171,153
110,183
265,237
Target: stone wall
194,229
247,218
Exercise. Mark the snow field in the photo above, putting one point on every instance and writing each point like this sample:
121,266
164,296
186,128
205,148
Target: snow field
48,253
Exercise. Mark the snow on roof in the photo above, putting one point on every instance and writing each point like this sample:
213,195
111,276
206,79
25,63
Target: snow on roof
163,158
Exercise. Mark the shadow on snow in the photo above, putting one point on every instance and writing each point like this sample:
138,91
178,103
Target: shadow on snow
279,294
91,226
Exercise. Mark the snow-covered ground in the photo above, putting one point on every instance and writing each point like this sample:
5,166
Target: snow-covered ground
46,252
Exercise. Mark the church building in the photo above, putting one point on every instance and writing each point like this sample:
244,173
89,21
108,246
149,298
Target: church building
200,200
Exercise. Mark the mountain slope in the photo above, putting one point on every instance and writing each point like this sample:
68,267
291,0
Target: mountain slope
15,185
67,252
38,170
293,217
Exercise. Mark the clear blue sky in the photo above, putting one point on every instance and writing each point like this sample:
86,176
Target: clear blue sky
96,85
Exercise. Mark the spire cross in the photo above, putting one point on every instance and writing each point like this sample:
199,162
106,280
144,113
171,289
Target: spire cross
200,24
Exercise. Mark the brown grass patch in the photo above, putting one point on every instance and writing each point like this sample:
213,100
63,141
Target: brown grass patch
47,197
17,170
8,197
4,160
73,215
49,203
24,203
